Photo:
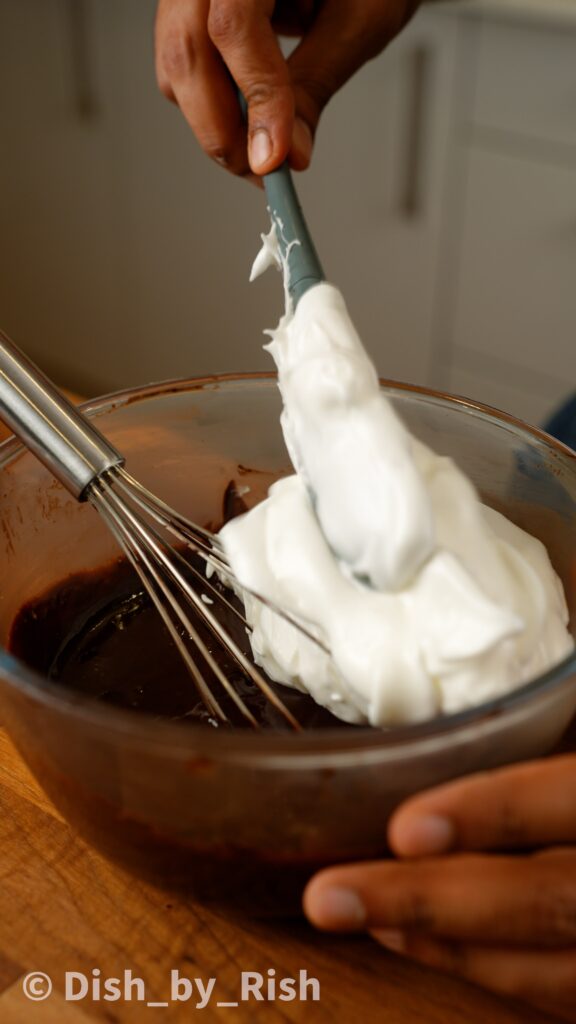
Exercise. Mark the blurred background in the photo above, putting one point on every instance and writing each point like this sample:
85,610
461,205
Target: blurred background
442,196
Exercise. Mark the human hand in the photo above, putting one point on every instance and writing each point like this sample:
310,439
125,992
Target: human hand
201,43
506,921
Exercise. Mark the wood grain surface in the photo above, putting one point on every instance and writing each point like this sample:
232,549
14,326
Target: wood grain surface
63,907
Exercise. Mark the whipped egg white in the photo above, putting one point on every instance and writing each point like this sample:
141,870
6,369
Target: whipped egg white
424,600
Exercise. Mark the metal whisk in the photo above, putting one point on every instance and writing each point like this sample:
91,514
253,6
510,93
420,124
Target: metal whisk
92,470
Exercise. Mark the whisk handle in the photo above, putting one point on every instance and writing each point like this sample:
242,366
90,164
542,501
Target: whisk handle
49,424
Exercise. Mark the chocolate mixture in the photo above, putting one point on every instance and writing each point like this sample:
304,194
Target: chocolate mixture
99,633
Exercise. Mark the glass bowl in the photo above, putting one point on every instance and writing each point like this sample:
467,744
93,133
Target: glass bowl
243,818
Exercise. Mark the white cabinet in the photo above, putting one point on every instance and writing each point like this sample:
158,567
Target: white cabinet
125,253
515,294
506,328
62,217
525,81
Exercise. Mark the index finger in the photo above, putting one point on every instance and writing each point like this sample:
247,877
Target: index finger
524,901
191,72
524,806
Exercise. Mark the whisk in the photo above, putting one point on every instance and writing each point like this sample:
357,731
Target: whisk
92,470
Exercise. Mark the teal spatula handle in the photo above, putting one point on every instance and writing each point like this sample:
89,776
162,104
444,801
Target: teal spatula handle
304,267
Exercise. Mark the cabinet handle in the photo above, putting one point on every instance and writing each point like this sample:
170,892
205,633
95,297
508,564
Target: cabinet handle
84,93
411,199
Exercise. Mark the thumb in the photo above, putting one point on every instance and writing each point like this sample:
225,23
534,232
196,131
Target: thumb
242,32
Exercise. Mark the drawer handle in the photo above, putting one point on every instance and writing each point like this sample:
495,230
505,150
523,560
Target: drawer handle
84,93
412,183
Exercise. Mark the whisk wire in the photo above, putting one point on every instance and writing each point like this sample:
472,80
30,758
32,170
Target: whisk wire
129,526
205,544
117,511
155,587
202,540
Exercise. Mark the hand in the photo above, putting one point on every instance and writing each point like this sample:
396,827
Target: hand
506,921
201,43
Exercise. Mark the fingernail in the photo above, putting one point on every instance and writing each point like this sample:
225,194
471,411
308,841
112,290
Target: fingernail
260,149
428,835
338,908
302,141
393,940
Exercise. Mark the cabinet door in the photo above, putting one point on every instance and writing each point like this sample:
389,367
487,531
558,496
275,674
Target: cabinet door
526,82
125,253
62,216
515,303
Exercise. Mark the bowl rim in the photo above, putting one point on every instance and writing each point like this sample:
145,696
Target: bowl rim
177,736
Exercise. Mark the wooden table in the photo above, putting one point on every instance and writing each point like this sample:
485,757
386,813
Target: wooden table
63,907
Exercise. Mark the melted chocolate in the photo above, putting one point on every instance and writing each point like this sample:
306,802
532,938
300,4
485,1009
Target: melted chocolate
99,633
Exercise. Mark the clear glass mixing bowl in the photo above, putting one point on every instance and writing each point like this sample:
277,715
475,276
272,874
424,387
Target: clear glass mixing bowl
238,817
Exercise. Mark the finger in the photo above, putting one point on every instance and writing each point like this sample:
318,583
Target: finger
511,900
191,72
545,978
523,806
293,17
342,37
242,33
